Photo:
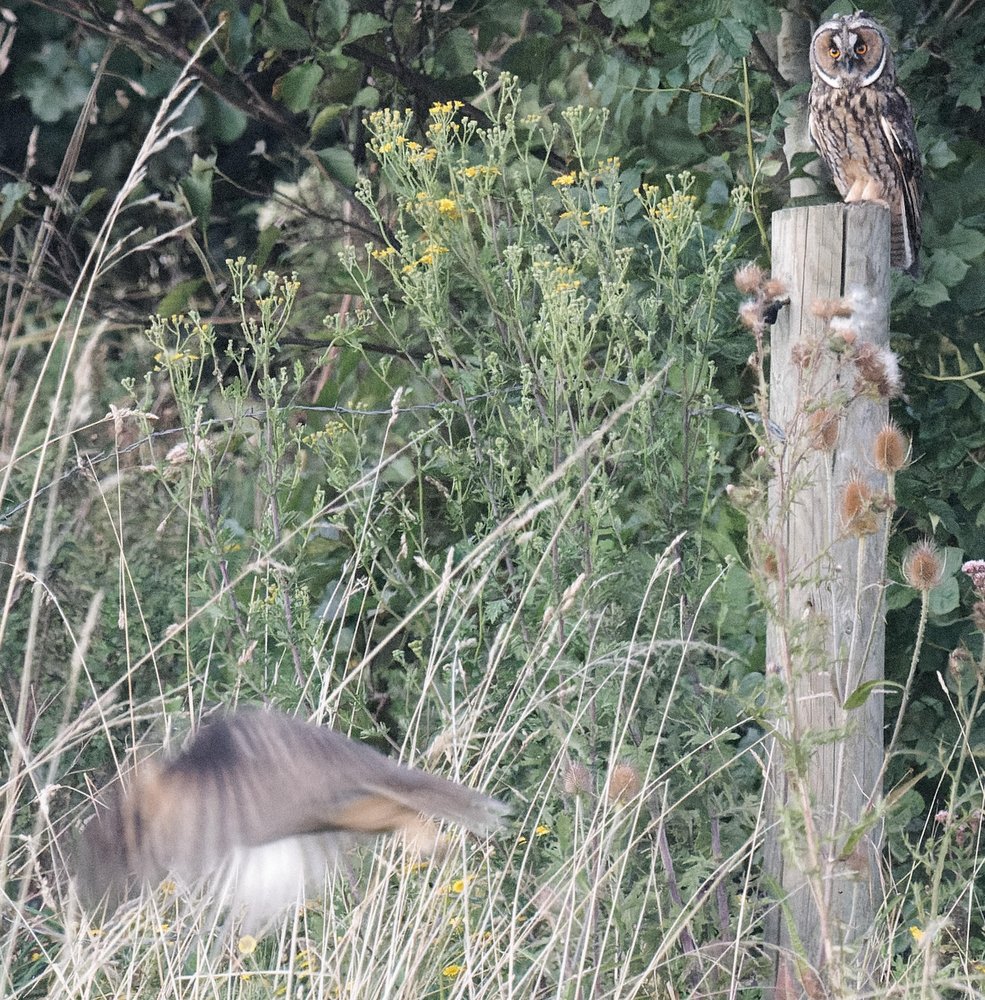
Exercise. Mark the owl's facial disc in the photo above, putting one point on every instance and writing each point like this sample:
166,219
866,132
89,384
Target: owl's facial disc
842,55
865,45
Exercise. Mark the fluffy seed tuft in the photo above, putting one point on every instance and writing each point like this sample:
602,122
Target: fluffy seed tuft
879,369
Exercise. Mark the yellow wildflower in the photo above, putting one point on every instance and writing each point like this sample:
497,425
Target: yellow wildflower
565,180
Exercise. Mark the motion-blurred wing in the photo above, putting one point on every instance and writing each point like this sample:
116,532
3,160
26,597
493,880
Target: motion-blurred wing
259,799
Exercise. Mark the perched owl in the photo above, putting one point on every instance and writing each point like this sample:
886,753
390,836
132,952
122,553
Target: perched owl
255,806
862,124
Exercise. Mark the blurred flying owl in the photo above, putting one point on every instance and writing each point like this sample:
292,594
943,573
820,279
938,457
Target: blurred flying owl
862,124
257,806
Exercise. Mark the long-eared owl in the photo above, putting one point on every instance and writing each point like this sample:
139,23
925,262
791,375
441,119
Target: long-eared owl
862,124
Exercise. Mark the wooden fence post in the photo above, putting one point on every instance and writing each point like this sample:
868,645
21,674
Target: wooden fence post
828,518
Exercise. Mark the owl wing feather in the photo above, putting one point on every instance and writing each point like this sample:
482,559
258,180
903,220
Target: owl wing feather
896,122
252,780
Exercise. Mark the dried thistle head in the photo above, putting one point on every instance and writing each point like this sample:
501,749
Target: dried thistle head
857,506
771,564
891,449
827,309
624,784
822,429
961,665
577,779
804,353
774,290
749,278
923,566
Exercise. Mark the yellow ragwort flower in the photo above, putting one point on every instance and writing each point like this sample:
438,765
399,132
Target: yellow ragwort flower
444,108
451,971
565,180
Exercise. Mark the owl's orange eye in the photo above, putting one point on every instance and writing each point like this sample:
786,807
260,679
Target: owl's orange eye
861,49
834,52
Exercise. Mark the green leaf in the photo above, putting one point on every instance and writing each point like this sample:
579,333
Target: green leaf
966,243
939,155
266,241
899,597
224,122
325,117
53,83
947,267
296,87
624,12
944,598
339,164
930,292
970,97
92,199
735,37
367,97
179,298
702,46
238,39
11,196
363,24
455,55
331,15
861,694
196,186
276,30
